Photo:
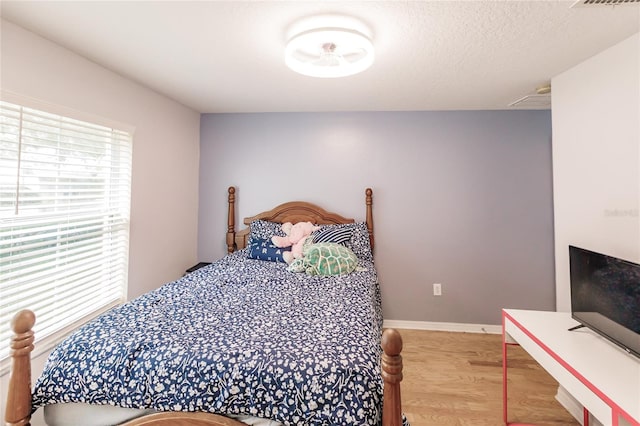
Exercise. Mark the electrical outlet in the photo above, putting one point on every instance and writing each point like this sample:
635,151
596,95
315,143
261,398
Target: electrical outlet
437,289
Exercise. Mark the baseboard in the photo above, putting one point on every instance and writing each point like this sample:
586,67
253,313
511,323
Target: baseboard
444,326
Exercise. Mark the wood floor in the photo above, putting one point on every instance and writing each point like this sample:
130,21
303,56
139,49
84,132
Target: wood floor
456,379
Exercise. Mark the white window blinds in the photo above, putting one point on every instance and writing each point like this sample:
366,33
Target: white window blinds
64,212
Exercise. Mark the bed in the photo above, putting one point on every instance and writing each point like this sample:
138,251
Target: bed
240,341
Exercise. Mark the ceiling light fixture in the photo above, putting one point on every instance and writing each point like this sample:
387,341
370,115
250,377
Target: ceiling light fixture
329,51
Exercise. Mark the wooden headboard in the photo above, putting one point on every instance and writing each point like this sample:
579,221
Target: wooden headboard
293,211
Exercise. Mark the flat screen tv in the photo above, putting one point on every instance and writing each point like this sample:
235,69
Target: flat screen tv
605,296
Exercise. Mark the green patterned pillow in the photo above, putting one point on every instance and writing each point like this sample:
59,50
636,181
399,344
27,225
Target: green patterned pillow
297,266
329,259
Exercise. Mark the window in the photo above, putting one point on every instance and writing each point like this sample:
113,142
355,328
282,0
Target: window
64,219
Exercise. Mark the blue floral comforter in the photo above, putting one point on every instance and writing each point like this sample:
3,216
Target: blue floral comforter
239,336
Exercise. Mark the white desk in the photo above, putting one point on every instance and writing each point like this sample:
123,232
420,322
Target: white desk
598,374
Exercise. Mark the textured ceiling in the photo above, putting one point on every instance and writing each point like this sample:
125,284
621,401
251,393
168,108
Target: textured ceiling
217,56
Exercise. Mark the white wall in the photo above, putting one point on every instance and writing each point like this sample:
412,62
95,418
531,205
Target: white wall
164,205
596,158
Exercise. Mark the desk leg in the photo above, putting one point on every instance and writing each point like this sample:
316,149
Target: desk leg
504,375
585,417
505,345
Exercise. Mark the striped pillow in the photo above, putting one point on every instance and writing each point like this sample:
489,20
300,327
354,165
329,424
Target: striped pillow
332,235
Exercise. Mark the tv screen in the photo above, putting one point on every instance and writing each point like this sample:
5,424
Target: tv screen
605,296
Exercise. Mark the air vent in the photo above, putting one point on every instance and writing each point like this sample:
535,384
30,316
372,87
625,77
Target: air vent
532,102
590,3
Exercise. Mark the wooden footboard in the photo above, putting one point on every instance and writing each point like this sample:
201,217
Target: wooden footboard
18,407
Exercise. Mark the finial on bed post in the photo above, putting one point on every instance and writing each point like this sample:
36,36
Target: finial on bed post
231,217
18,409
392,376
369,200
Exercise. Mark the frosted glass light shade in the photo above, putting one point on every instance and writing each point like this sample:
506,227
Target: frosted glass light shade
329,52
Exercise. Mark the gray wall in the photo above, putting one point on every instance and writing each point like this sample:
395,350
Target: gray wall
460,198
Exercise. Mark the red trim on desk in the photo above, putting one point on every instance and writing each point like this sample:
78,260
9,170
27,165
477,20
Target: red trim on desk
585,417
616,410
504,374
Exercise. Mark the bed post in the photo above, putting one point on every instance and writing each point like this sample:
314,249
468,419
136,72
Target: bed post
392,376
18,409
231,217
369,201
